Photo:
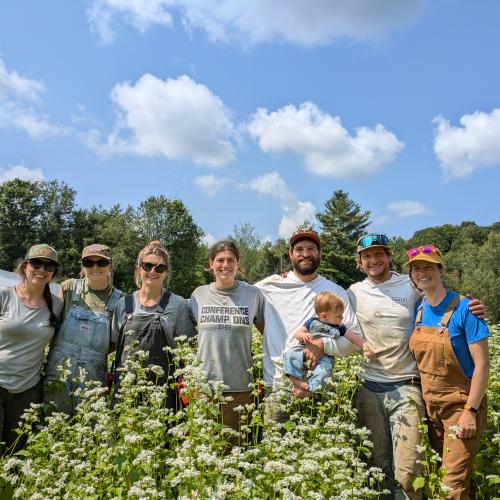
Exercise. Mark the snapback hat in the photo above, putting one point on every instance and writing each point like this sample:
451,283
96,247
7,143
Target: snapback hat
427,253
305,234
42,251
97,250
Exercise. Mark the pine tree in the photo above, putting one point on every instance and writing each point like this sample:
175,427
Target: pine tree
343,223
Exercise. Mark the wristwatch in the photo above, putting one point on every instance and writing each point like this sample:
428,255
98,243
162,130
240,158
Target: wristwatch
470,408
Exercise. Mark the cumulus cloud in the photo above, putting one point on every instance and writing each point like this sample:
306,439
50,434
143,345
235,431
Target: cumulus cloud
177,119
209,239
295,212
297,21
322,141
473,145
209,184
103,16
20,172
407,208
18,97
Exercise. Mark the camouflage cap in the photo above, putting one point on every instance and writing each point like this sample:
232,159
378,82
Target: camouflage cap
42,251
97,250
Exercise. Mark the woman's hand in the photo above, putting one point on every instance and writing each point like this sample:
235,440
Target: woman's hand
467,424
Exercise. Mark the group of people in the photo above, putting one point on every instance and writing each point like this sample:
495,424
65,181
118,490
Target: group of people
426,349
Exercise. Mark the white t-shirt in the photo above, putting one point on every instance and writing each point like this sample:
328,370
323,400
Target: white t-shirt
385,312
289,303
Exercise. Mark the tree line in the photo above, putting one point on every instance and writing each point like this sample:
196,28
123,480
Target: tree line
45,211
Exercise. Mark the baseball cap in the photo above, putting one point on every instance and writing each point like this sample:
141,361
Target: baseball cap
427,253
305,234
372,240
97,250
42,251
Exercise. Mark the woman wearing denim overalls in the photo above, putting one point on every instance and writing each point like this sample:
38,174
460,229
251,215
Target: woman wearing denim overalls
151,318
83,340
450,346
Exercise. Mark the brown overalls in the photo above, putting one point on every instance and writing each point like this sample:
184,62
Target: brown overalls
445,389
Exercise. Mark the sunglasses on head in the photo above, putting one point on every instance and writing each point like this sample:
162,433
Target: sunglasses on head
91,263
36,264
424,250
373,239
159,268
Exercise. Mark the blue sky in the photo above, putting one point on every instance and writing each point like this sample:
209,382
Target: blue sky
257,111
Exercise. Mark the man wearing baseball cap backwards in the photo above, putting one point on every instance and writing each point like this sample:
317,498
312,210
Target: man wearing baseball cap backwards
289,303
389,401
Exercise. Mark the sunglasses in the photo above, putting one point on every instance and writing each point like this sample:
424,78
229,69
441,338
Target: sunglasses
159,268
422,250
91,263
36,264
372,239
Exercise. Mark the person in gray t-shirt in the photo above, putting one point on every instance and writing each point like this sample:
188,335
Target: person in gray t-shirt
225,311
29,316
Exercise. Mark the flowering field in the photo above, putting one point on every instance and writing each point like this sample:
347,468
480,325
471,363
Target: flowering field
139,449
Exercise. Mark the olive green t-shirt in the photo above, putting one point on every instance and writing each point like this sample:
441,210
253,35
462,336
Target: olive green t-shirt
95,300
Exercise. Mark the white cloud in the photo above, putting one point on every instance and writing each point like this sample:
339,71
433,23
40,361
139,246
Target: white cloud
209,239
297,21
407,208
476,144
209,184
141,14
322,141
178,119
20,172
295,212
18,95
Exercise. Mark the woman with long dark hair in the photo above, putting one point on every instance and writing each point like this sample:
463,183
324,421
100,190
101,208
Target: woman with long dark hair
29,316
225,311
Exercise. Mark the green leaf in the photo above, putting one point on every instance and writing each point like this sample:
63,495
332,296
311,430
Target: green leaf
7,493
418,483
289,426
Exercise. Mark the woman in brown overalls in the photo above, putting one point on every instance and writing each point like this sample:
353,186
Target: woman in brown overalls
451,349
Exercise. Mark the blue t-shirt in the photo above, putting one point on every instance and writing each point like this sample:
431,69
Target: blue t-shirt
464,328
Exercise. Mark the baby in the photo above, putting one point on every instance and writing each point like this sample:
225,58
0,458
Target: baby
327,323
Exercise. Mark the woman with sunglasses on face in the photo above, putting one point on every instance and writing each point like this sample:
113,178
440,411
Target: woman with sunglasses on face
151,318
450,346
29,316
225,311
83,339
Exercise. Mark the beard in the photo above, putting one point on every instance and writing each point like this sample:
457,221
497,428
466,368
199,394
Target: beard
306,266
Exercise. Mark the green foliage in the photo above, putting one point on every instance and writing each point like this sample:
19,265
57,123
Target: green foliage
169,221
34,212
343,222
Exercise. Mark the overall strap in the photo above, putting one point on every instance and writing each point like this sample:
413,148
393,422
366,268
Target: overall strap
113,299
77,291
449,310
418,318
163,301
129,309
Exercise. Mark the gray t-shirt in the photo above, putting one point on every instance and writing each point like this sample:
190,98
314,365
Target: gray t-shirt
225,318
176,320
24,334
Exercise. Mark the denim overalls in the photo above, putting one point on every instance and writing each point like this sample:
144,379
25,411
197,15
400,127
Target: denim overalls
445,388
83,339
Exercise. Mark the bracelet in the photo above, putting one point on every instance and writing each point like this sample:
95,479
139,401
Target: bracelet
470,408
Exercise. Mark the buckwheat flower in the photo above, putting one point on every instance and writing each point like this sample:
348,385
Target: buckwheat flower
454,431
133,438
